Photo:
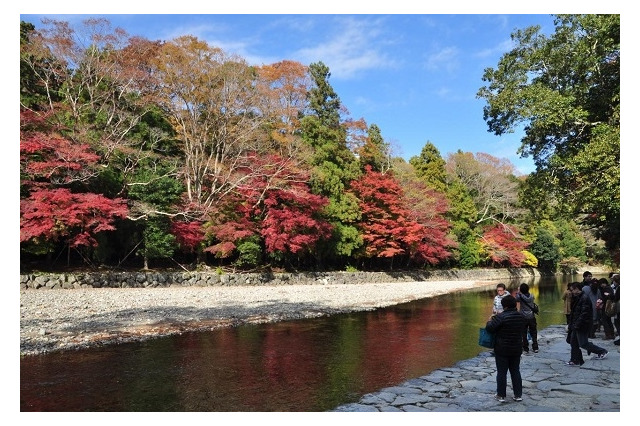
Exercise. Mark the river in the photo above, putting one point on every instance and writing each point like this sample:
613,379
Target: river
304,365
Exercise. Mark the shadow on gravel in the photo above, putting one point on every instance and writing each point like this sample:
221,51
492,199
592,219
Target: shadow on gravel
273,310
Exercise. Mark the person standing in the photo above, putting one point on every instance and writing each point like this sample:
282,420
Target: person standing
580,326
501,289
590,288
606,293
507,326
526,301
615,279
567,303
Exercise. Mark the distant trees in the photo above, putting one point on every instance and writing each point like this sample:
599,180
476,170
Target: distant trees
149,154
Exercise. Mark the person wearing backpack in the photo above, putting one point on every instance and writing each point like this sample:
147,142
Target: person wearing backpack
527,304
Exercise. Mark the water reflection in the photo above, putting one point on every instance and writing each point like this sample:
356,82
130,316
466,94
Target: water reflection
306,365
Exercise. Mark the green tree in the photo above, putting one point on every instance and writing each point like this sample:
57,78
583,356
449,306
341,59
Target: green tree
571,242
565,89
34,64
468,252
375,152
430,167
333,165
154,195
545,249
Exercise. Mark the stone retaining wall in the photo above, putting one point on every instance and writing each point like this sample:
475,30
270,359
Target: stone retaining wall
166,279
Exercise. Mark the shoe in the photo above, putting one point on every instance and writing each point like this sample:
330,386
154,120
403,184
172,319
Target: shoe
573,363
535,351
603,355
588,353
526,351
500,398
616,342
517,398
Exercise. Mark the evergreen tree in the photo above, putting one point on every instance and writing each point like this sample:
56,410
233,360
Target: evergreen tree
375,152
430,167
571,243
333,165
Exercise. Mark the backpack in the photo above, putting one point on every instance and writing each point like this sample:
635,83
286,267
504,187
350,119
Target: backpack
611,308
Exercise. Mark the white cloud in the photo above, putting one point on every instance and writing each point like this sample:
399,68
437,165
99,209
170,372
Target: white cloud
498,50
356,47
446,58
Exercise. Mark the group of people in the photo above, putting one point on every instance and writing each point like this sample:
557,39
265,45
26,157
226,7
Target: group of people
586,313
600,292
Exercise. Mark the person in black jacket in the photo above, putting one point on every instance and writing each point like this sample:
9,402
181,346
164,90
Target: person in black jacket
615,280
527,302
508,326
606,293
580,326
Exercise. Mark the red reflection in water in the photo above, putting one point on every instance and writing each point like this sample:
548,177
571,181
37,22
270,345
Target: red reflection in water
306,365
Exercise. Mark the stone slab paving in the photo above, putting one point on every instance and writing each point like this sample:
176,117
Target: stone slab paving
549,385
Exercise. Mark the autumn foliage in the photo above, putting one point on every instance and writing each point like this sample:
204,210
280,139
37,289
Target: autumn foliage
51,212
189,235
390,228
177,152
503,245
277,208
60,215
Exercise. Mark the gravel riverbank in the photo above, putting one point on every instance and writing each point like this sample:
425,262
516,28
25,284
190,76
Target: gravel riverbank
64,319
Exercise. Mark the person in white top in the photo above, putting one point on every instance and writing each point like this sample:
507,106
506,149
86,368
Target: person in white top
497,301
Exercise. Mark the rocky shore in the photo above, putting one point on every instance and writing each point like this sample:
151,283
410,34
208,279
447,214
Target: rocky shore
549,385
65,319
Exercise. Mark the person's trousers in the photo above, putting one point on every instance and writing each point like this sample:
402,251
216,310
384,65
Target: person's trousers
511,364
608,327
532,328
582,339
576,352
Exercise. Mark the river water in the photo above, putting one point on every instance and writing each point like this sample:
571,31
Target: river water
303,365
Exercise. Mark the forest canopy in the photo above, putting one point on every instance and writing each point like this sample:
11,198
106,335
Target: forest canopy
137,153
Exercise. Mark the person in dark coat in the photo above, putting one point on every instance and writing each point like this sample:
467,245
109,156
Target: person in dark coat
580,326
606,293
508,326
527,301
615,279
591,287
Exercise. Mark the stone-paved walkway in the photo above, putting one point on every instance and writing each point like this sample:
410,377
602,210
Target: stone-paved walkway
548,383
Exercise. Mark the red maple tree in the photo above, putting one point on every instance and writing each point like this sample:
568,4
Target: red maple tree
58,214
276,206
188,234
47,159
390,228
50,211
504,245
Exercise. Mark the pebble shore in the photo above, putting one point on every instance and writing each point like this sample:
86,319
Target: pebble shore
66,319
